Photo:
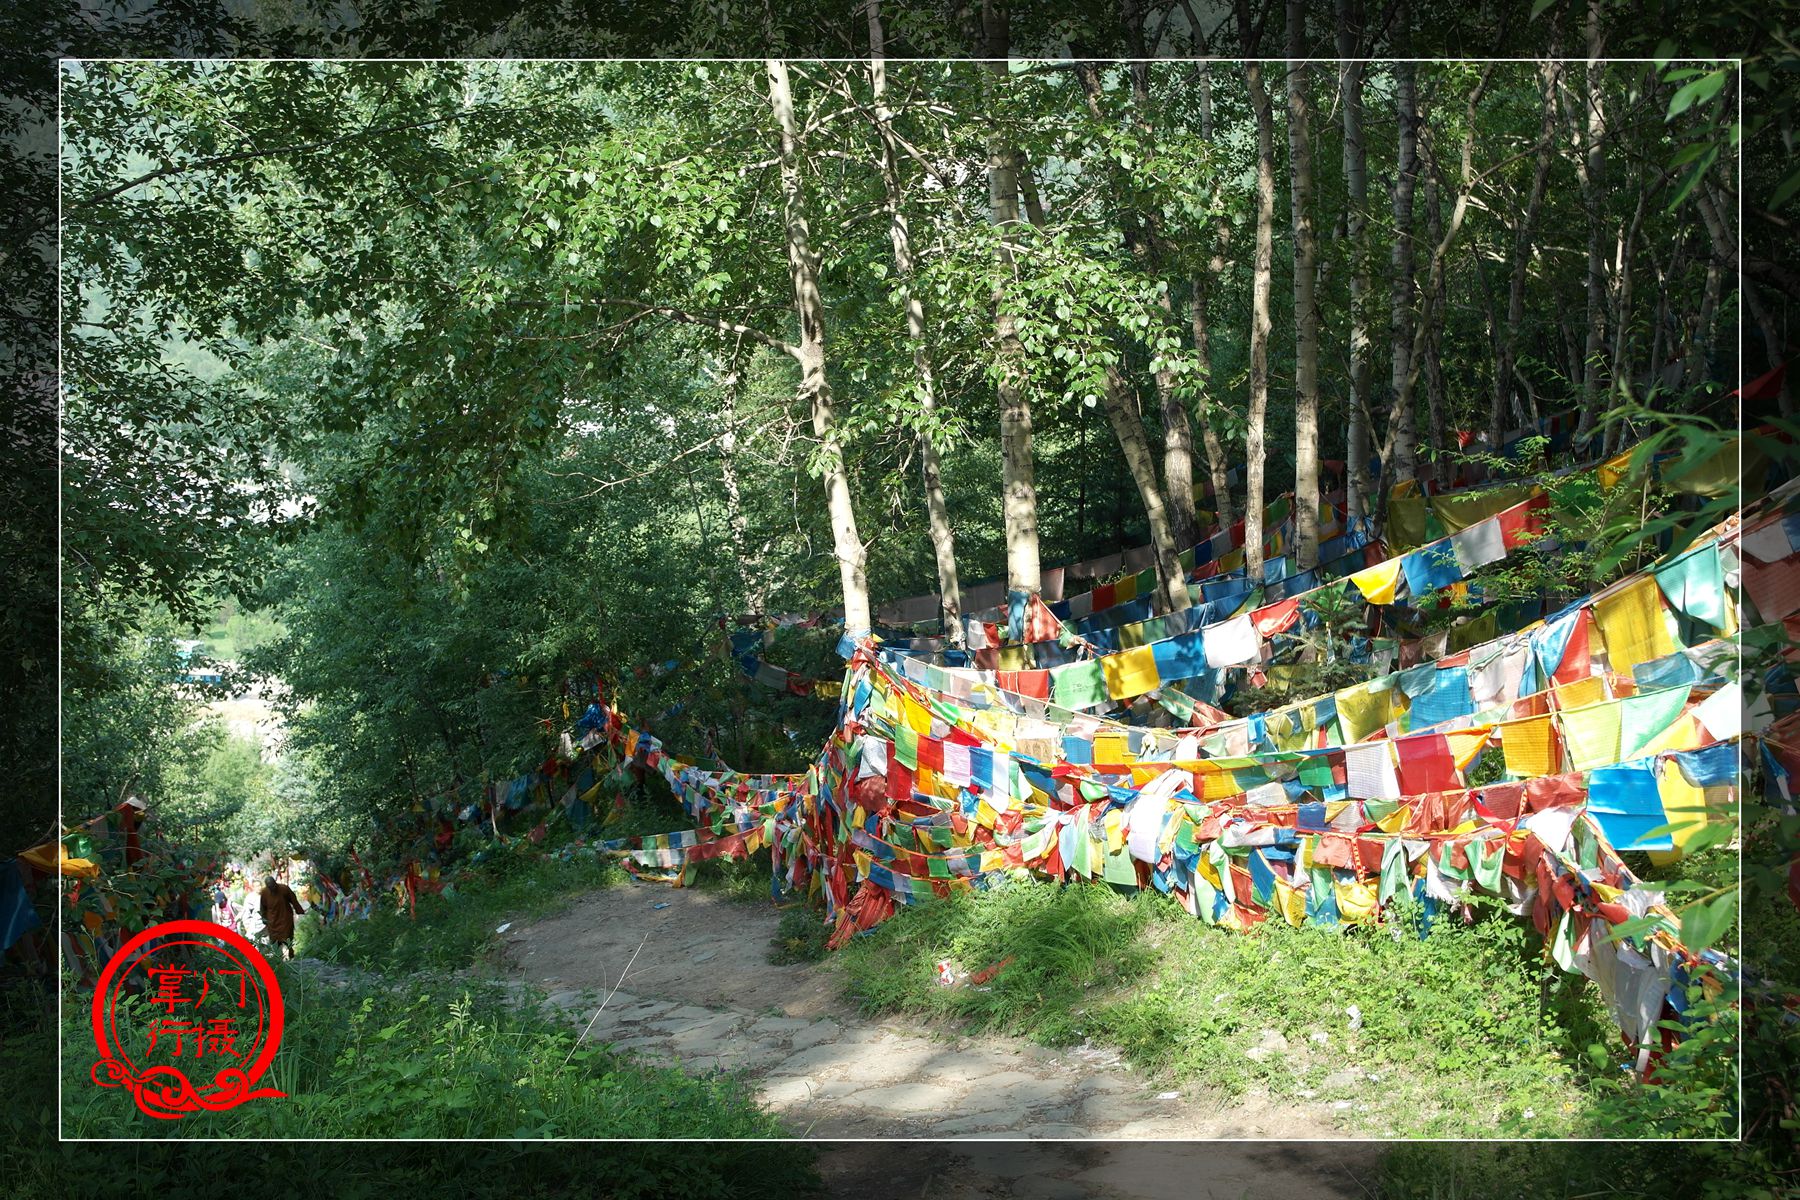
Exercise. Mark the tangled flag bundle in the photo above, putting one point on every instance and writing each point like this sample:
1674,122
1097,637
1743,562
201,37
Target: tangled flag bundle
1615,726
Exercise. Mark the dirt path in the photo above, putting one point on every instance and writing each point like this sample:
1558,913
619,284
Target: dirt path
702,994
1101,1171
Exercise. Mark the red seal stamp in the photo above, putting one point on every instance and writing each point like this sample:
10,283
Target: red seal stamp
187,995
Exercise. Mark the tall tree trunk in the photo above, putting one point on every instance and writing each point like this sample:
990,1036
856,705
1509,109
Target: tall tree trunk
1254,452
943,539
1122,410
1178,430
1023,568
1397,463
815,388
1306,312
1700,344
1434,336
1593,196
749,577
1440,251
1772,344
1619,371
1521,252
1217,467
1128,427
1356,185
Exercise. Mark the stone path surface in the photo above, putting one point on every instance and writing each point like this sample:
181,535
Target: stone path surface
695,989
1103,1171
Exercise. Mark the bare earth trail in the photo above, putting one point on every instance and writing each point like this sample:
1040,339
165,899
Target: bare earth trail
701,993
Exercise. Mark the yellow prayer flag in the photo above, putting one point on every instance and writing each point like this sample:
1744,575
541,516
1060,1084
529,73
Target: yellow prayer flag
1218,784
1530,747
1685,734
1361,711
1130,674
1356,902
1614,469
1290,903
1589,689
1395,821
1592,735
1379,583
1110,748
1465,745
1684,805
1631,622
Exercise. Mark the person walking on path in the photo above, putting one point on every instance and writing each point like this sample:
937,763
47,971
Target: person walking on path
279,906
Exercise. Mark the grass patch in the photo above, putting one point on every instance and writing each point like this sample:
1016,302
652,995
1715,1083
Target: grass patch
800,937
1462,1033
1065,942
36,1167
456,930
451,1061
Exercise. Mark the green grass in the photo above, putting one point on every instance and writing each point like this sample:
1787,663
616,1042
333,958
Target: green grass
456,930
440,1060
800,937
36,1167
1461,1034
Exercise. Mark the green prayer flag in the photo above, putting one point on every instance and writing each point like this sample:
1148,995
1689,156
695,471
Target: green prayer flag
1078,685
1316,772
1119,870
906,746
1645,716
1393,871
1695,584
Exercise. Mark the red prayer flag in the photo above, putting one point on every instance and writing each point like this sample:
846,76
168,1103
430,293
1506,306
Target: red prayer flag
1426,764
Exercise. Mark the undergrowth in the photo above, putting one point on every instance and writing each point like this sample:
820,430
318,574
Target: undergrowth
1464,1031
454,930
440,1060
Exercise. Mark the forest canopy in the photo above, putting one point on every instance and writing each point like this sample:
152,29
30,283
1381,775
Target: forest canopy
491,369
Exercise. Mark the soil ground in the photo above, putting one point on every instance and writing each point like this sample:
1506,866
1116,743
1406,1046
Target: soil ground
695,988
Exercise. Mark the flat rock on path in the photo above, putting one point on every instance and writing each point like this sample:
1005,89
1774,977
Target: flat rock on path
701,994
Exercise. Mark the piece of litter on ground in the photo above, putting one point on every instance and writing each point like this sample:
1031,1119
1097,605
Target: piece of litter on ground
1168,1095
504,927
660,904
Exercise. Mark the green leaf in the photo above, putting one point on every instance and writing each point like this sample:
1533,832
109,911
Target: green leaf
1693,177
1784,191
1704,924
1699,91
